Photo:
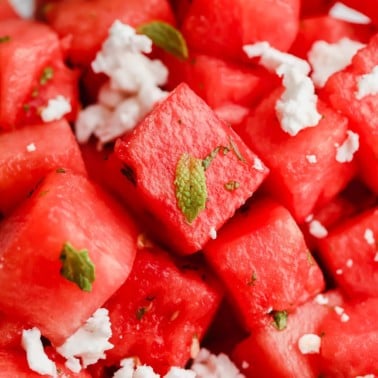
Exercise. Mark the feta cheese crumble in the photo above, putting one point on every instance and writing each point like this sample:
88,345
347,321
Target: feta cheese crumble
56,108
296,109
31,147
213,233
38,360
132,90
349,263
346,151
328,58
258,164
309,343
342,12
317,230
24,8
321,299
311,158
367,84
369,236
89,342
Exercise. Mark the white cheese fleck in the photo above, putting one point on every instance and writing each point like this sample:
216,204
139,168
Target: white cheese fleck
321,299
56,108
339,271
208,365
317,230
89,342
175,372
349,263
344,317
31,147
37,359
126,370
369,236
366,376
213,233
328,58
296,109
145,371
258,164
367,84
311,158
24,8
343,12
346,151
376,257
309,343
339,310
309,218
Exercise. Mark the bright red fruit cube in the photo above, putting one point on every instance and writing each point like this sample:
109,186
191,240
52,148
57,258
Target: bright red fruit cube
304,172
191,170
271,352
222,27
348,92
7,11
29,154
263,261
162,311
42,243
350,254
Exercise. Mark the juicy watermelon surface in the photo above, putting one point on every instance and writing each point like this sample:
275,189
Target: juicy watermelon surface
178,199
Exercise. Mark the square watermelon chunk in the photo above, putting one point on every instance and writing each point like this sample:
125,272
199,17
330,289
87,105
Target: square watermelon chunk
190,168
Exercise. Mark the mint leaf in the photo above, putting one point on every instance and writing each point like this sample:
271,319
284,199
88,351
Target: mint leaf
165,36
47,75
190,183
280,319
77,267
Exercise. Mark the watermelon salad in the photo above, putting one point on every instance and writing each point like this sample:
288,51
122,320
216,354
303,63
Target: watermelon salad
189,188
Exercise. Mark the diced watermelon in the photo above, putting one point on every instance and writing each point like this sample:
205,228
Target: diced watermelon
29,154
32,47
341,89
350,253
331,30
270,352
88,22
263,261
6,10
162,311
304,172
183,127
314,7
66,208
349,341
222,27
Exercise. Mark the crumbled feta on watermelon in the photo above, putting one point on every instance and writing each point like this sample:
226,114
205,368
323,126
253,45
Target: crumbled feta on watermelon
346,151
369,236
297,107
133,86
317,230
89,342
367,84
56,108
37,359
328,58
309,343
341,11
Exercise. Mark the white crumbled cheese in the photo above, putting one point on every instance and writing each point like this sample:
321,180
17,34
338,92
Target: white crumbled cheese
366,376
311,158
258,164
344,317
369,236
321,299
131,91
349,263
339,310
367,84
213,233
346,151
31,147
342,12
208,365
245,365
37,359
328,58
144,371
56,108
296,109
339,271
89,342
24,8
309,218
309,343
126,370
175,372
317,230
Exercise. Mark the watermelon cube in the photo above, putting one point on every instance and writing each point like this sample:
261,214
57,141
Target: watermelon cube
7,11
350,254
348,92
191,170
271,352
47,279
264,263
29,154
304,172
162,311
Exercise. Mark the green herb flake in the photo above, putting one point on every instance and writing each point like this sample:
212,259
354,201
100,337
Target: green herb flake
141,311
60,170
235,149
77,267
47,75
166,37
310,258
253,279
190,184
5,38
35,93
43,193
279,319
209,158
231,185
26,107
